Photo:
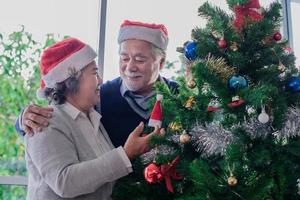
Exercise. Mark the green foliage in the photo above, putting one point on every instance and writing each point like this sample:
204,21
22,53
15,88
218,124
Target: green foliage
232,3
217,17
19,75
8,192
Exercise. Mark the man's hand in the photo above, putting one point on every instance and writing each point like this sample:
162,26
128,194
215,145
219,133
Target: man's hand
136,145
35,118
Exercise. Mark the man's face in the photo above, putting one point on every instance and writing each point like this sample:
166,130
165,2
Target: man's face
139,68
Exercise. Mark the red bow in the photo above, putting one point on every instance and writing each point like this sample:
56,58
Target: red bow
250,9
168,171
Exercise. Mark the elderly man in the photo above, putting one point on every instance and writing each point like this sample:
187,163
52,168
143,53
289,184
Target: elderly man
124,100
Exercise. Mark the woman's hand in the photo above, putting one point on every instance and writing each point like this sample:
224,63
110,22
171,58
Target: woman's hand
136,144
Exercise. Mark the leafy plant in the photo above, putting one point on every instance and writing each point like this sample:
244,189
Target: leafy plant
19,79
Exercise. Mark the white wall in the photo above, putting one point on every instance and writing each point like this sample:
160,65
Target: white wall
77,18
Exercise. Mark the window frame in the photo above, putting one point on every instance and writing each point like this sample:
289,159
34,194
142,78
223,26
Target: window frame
101,37
13,180
287,21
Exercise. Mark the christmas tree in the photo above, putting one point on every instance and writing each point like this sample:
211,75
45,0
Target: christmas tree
233,124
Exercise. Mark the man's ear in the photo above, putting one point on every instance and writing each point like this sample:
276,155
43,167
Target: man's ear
162,63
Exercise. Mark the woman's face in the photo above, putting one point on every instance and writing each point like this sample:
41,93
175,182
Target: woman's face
88,93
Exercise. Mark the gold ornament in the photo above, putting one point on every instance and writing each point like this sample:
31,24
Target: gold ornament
233,46
184,137
190,103
232,181
219,67
281,67
191,83
216,34
174,126
267,40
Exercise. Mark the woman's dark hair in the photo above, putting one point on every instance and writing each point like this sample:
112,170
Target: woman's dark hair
57,95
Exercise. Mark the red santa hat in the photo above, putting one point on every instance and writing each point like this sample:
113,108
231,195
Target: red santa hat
156,34
156,115
59,60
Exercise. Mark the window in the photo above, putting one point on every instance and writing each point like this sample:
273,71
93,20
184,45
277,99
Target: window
39,17
290,26
64,17
180,19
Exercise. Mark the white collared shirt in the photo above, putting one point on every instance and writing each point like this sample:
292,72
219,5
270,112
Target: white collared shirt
92,130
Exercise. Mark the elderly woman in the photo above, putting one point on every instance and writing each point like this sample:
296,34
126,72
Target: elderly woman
74,158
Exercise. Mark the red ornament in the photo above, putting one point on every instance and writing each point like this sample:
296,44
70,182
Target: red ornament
277,36
152,173
212,108
222,43
236,101
287,50
213,105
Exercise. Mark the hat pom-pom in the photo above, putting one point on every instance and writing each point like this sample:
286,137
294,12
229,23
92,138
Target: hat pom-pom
159,97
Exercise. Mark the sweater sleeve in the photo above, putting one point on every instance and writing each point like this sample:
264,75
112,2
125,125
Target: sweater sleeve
54,156
18,126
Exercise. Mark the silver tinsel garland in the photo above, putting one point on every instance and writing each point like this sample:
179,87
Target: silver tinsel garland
150,156
176,139
211,139
291,126
256,129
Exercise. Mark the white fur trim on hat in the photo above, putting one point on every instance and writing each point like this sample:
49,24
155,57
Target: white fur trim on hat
152,35
77,61
154,122
159,97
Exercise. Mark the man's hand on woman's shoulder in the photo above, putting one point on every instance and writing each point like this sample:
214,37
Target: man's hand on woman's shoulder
35,118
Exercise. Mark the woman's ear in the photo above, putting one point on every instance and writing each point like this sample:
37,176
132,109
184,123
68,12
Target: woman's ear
72,84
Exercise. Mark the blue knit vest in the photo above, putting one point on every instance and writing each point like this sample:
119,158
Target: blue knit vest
118,118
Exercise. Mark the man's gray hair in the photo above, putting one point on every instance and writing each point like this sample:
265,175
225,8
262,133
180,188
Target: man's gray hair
154,50
157,51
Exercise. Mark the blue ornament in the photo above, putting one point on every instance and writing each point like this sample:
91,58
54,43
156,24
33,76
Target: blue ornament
190,51
237,82
294,84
